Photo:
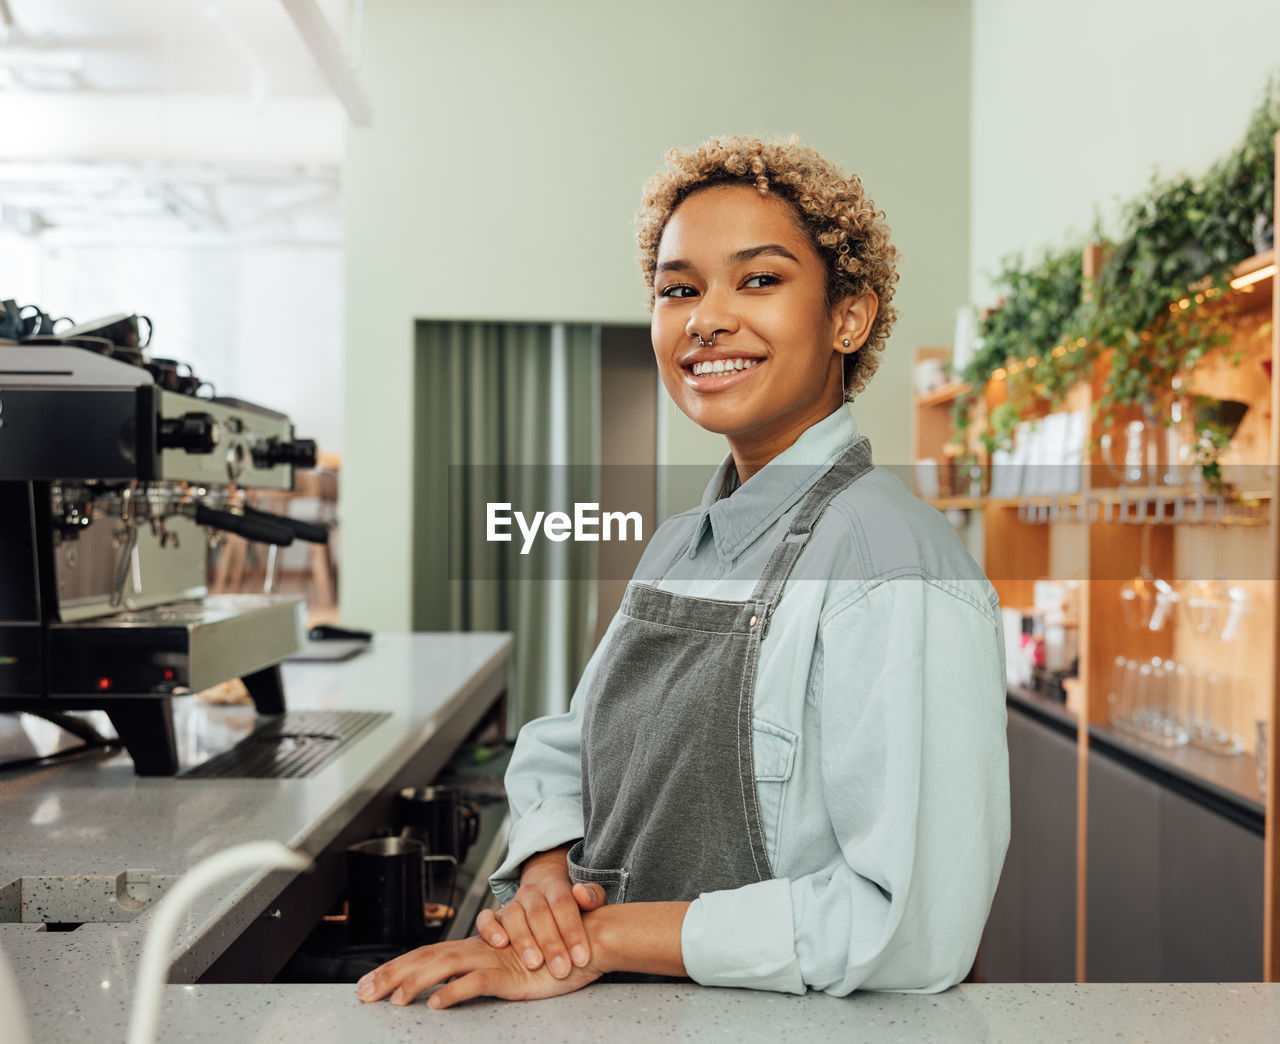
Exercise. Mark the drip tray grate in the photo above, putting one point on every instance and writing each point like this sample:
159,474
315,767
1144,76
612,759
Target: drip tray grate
288,746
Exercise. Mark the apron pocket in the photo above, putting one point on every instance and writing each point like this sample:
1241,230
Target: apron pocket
773,753
614,882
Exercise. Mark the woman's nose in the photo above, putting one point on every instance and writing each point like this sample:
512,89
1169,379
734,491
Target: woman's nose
713,314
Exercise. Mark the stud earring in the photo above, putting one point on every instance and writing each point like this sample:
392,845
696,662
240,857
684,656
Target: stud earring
846,342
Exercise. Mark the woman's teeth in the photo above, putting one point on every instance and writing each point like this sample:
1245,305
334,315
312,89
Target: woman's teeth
707,369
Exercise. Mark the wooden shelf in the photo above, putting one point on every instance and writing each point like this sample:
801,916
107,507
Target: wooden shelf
1106,495
1042,706
957,503
948,392
1253,266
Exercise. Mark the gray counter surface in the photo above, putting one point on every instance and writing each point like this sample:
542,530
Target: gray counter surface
1016,1014
99,818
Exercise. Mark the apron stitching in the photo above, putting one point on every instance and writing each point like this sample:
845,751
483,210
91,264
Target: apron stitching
743,778
751,808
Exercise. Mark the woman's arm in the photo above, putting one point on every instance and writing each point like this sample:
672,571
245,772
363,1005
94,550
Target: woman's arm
634,937
639,937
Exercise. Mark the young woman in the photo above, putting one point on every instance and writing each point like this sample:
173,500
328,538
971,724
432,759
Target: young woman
785,765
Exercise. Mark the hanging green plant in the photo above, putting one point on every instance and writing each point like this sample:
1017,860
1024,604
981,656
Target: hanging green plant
1029,340
1159,302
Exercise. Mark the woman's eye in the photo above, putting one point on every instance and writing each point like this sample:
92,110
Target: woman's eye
678,290
759,282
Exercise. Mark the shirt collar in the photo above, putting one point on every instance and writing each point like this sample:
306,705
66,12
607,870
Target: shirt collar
738,519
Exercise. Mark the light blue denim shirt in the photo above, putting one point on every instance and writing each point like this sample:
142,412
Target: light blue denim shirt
879,737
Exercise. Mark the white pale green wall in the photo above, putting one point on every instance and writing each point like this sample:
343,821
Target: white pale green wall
510,143
1074,105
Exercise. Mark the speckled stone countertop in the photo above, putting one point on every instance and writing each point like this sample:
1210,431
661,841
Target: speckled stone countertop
1016,1014
98,818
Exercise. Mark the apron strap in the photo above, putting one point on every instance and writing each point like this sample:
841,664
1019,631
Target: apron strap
848,468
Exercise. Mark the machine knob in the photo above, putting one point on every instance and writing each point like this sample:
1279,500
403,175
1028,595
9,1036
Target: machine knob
301,453
192,432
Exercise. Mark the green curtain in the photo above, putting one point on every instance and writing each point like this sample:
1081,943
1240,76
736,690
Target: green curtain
507,412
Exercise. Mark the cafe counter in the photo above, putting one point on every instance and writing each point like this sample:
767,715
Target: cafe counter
90,820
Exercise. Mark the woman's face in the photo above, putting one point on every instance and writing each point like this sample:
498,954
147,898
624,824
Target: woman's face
736,264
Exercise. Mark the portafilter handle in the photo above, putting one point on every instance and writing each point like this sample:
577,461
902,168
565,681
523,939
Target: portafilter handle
308,531
267,530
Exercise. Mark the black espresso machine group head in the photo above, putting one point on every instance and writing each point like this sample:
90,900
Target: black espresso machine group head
111,488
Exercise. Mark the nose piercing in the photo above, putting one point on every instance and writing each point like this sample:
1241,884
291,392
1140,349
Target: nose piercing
707,344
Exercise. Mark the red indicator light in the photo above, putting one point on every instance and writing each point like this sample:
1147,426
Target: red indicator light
104,684
168,674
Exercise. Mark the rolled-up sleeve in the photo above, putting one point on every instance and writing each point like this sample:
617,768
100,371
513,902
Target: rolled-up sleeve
544,784
544,791
915,784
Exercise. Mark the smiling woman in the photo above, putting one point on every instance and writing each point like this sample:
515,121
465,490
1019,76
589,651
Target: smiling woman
773,773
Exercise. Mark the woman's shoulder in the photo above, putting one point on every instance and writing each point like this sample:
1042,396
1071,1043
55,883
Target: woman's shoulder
876,529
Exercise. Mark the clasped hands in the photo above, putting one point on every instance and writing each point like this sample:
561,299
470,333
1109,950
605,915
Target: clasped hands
536,946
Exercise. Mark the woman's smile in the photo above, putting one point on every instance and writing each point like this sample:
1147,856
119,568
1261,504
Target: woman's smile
711,372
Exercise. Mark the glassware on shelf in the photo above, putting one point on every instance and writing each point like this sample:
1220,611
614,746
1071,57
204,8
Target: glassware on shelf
1117,698
1215,731
1139,464
1182,711
1201,607
1179,442
1144,709
1166,599
1171,704
1237,607
1138,595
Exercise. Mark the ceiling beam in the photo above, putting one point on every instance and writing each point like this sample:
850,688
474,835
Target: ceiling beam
327,52
117,126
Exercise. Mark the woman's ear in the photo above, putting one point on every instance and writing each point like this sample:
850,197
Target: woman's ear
854,316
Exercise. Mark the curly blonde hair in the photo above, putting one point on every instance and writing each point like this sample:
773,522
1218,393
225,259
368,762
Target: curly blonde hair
842,223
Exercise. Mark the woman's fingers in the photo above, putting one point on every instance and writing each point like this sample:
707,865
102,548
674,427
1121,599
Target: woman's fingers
489,928
589,896
545,925
465,987
568,917
389,977
514,921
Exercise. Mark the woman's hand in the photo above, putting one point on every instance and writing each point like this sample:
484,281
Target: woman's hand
543,921
477,970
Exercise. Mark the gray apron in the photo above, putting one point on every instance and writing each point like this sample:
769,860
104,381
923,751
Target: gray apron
669,799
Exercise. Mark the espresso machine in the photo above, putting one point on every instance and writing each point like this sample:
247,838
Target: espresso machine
112,486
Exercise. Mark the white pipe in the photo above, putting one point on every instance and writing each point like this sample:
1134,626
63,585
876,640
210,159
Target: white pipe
12,1016
326,50
153,972
35,58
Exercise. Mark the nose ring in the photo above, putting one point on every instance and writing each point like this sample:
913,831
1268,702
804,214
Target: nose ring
707,344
